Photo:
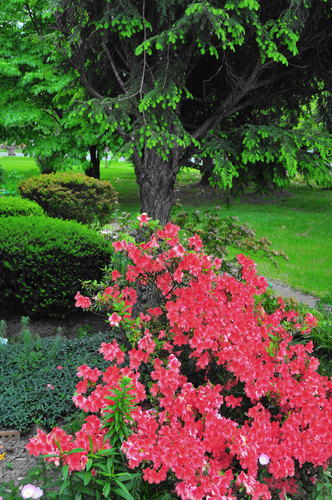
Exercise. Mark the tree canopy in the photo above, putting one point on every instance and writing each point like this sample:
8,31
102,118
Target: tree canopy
40,94
231,80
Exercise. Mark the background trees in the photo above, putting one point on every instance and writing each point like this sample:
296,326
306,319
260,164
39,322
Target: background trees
40,96
227,80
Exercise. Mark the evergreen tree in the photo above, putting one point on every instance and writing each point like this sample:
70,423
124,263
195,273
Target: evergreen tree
225,79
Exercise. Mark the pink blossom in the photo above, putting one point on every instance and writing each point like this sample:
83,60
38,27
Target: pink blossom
59,367
49,386
81,301
115,275
143,219
114,319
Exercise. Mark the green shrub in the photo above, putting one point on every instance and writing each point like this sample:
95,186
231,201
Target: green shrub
43,260
26,369
13,206
71,196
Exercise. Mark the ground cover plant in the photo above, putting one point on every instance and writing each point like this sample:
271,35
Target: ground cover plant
42,373
206,360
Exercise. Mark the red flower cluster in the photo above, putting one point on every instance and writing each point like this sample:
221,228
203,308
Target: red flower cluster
253,430
59,444
82,301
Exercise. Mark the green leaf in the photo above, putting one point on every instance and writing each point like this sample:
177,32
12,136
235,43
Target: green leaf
65,470
87,478
122,491
106,489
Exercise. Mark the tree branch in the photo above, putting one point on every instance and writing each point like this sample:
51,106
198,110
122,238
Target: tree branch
231,100
144,60
117,76
33,18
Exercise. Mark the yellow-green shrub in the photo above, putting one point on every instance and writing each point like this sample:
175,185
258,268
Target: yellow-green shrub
71,196
13,206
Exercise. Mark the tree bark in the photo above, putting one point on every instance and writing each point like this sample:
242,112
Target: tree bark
206,171
94,168
156,179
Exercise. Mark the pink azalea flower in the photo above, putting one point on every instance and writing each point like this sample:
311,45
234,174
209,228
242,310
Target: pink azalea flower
114,319
115,275
143,219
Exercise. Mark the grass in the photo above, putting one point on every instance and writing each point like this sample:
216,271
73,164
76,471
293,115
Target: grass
300,224
15,168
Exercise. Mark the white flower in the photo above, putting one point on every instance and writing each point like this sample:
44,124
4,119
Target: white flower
31,491
263,459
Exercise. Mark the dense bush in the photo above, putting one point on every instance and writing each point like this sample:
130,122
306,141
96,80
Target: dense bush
219,399
37,378
71,196
43,260
13,206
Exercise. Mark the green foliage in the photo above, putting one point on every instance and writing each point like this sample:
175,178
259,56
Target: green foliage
42,261
111,477
323,486
71,196
28,366
229,79
13,206
48,164
320,335
219,234
270,154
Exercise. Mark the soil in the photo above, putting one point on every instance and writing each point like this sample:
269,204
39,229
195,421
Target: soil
48,327
193,194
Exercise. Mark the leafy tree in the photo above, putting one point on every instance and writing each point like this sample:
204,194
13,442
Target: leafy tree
225,79
268,147
41,96
174,78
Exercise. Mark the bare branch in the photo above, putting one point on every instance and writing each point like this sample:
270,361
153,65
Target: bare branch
231,100
117,76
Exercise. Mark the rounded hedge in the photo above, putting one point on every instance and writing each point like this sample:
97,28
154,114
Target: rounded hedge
71,196
44,260
13,206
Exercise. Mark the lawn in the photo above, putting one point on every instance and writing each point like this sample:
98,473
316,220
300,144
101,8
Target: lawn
299,223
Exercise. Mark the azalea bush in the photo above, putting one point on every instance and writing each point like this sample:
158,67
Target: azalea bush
223,402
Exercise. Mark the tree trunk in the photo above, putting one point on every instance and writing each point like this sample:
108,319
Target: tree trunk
206,171
156,178
94,168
